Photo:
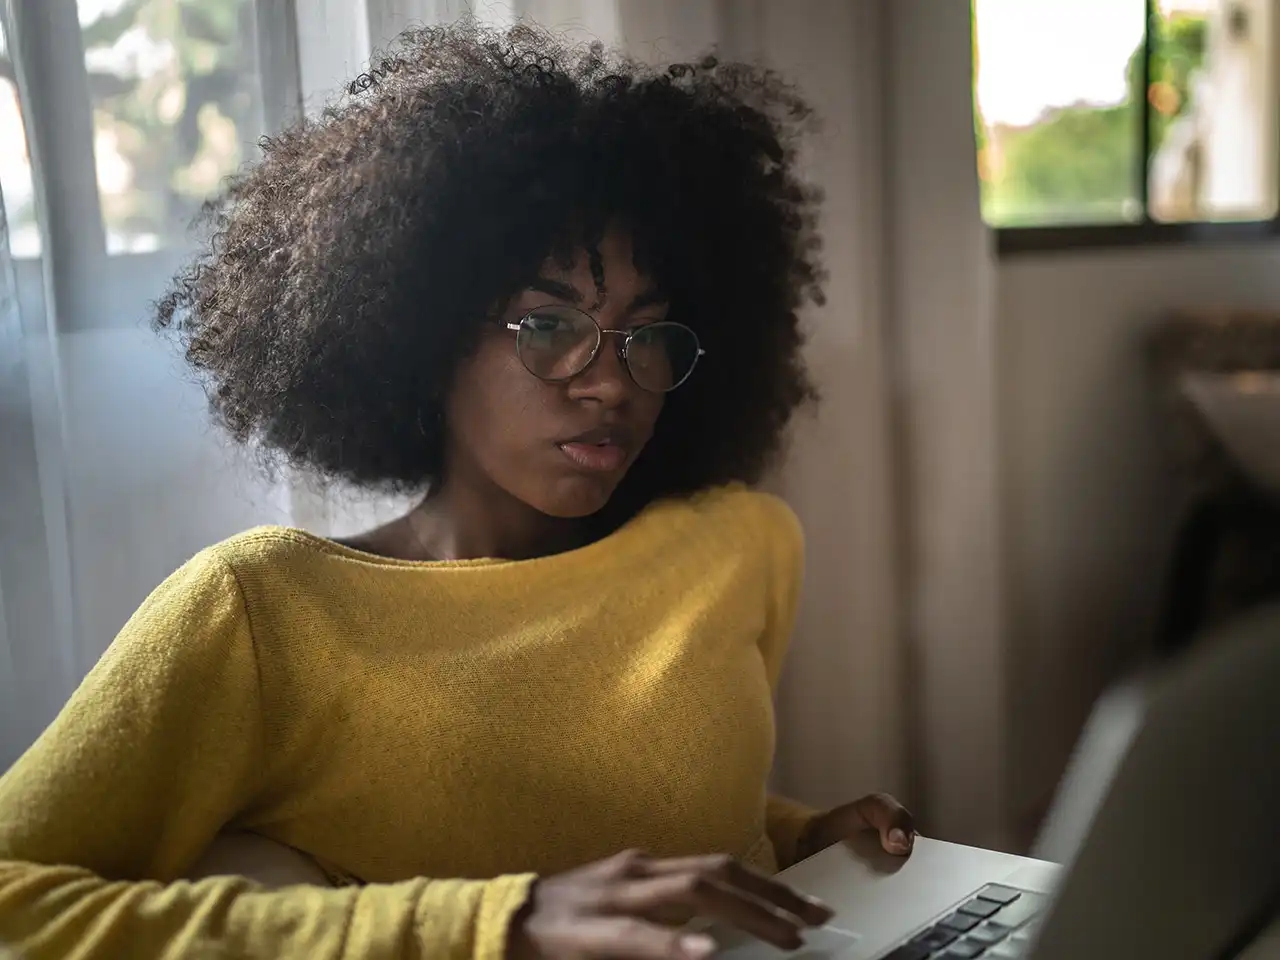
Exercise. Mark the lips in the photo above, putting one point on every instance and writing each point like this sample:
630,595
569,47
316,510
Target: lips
602,450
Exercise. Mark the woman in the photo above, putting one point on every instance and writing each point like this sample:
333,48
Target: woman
559,292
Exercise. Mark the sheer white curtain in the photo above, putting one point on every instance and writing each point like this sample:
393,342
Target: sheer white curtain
116,119
111,476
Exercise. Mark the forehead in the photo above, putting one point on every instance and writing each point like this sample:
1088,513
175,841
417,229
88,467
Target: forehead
614,264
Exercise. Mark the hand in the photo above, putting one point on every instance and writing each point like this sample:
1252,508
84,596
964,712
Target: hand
611,909
879,812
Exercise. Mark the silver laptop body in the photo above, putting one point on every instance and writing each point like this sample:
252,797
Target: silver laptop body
1168,825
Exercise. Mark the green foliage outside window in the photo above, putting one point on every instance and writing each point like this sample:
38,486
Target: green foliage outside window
1079,164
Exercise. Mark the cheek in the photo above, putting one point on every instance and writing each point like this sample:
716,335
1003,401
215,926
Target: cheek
492,404
649,408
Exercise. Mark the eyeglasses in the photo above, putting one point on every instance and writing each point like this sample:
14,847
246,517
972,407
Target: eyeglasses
557,343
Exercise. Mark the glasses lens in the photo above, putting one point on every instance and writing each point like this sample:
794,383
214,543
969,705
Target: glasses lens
661,356
556,343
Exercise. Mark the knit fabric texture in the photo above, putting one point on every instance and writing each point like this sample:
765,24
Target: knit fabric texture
439,732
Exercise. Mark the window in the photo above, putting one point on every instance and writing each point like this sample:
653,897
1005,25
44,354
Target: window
176,101
176,107
1125,120
16,186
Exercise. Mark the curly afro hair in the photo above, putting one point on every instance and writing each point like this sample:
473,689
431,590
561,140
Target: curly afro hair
350,270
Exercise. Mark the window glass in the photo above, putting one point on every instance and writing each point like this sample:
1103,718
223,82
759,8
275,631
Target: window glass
176,108
1060,109
1056,85
15,166
1212,111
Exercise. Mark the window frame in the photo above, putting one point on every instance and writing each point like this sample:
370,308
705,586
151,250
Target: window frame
85,287
1015,241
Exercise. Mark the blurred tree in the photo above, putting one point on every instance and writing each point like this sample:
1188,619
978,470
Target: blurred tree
1177,53
1079,164
176,104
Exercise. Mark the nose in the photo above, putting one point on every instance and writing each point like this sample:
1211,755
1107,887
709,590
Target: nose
606,380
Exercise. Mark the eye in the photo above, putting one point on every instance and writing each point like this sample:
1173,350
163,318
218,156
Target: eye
542,323
549,325
649,345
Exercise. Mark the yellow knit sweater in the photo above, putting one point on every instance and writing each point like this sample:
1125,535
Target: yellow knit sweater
436,734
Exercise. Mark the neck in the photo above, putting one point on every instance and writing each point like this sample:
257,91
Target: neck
462,522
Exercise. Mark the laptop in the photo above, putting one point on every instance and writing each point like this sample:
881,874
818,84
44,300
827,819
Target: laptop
1167,824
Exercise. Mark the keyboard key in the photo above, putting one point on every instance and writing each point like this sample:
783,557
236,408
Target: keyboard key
964,922
964,950
910,951
1004,951
981,907
936,937
988,934
998,893
1020,911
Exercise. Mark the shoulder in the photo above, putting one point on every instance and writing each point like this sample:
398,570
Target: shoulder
202,590
264,549
196,615
762,536
212,587
737,519
751,513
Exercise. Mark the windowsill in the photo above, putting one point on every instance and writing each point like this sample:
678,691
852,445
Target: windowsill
1019,241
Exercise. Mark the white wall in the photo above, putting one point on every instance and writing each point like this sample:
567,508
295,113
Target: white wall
1089,505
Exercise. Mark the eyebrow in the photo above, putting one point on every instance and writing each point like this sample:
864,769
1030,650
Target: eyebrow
571,294
647,298
557,288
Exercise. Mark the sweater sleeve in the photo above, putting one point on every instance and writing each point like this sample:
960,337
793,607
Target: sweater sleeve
785,820
159,748
784,546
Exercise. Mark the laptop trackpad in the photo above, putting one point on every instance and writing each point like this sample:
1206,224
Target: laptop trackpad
822,943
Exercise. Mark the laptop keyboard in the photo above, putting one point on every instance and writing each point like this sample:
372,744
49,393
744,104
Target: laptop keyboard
996,923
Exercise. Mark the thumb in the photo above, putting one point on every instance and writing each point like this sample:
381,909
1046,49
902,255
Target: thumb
891,820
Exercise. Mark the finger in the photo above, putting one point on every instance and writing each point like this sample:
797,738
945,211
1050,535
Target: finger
705,896
891,820
730,872
629,938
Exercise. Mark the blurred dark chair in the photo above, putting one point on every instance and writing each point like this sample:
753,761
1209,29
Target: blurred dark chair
1226,560
1218,375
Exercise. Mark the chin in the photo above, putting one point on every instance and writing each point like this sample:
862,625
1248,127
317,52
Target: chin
576,498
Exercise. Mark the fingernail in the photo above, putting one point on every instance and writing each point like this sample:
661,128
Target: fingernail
697,946
898,837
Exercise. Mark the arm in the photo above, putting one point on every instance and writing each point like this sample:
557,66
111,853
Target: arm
159,749
787,824
798,832
786,821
